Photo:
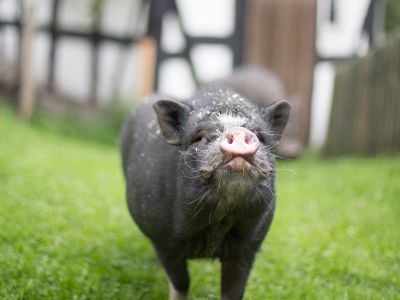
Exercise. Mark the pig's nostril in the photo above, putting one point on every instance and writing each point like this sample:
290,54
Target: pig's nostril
248,139
239,141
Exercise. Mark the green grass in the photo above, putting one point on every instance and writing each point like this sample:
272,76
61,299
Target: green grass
101,126
392,15
65,232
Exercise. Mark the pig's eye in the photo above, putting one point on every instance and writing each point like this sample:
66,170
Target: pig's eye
197,139
212,138
261,137
203,139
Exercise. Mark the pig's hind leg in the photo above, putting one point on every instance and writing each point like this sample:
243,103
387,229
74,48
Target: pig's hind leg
178,277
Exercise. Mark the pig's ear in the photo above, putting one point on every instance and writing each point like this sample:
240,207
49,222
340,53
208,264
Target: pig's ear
171,116
277,115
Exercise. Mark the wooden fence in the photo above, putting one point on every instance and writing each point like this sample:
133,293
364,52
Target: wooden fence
281,37
365,118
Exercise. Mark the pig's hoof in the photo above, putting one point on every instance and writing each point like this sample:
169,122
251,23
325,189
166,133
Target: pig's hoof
174,294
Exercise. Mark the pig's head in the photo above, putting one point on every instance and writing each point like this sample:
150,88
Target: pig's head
227,143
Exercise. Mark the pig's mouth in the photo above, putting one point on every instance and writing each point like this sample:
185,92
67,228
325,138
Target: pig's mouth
253,167
220,167
238,164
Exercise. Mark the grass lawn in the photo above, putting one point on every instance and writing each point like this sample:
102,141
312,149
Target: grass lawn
65,232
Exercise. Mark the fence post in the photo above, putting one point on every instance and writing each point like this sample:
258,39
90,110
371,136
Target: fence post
147,53
53,32
97,12
27,91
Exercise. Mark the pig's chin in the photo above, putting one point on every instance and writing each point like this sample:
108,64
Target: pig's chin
234,180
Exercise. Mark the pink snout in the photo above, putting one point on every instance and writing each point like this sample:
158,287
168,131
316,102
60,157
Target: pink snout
239,141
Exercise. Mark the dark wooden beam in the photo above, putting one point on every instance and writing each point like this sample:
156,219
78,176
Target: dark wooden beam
95,59
54,35
237,40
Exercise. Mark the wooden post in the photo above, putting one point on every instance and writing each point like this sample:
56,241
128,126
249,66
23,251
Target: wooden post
18,27
27,90
238,41
53,30
95,56
280,35
147,53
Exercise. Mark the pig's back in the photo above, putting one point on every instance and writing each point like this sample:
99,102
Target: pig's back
141,121
149,165
257,84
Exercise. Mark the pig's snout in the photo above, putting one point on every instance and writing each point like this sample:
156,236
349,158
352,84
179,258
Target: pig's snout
239,141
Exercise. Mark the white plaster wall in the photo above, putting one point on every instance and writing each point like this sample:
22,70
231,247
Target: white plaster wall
200,18
8,38
340,39
8,9
73,68
73,57
208,17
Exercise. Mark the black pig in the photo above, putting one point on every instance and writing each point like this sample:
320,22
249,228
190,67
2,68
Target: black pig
200,180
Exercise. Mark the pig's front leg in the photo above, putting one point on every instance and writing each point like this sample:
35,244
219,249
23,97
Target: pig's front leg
178,277
235,271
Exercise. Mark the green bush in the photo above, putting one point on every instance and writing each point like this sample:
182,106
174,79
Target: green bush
392,20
